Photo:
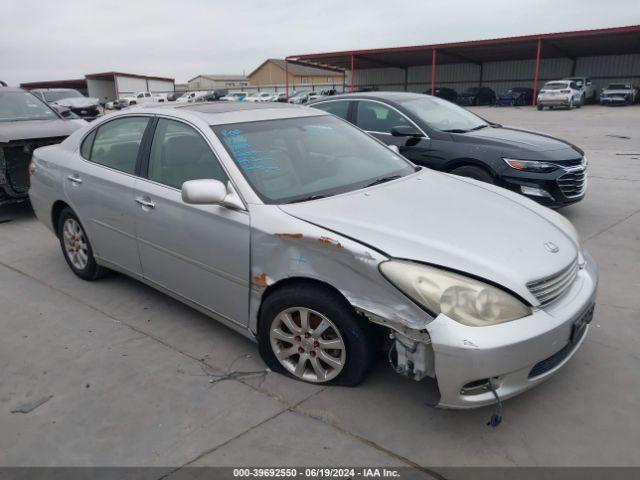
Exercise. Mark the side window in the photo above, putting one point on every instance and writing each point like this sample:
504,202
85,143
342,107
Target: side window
117,143
87,143
339,109
147,95
376,117
179,154
140,95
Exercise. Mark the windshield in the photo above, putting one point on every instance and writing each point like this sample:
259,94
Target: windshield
16,106
619,86
55,95
442,115
555,86
297,159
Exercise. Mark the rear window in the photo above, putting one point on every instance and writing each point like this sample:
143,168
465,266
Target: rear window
556,85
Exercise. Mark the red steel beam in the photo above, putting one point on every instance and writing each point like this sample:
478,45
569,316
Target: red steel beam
433,71
537,72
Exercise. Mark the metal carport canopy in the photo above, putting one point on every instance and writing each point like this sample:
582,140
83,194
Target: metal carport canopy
605,41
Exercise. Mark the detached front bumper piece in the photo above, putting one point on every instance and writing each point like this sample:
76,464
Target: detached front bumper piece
513,356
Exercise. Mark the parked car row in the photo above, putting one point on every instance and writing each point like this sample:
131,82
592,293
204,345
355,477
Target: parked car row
318,241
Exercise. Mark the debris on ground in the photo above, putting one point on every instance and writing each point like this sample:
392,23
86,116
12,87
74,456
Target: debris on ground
32,405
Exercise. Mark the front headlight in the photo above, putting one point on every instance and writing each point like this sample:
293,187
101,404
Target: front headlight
530,165
463,299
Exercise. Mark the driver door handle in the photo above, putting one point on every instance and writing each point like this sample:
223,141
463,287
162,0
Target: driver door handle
145,202
75,179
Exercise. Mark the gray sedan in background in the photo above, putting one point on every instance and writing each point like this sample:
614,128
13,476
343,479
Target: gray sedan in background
300,231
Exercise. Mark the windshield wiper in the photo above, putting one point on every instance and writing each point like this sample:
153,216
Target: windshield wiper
380,180
478,127
310,197
456,130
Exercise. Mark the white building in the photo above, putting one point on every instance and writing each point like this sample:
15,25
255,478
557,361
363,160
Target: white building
212,82
108,86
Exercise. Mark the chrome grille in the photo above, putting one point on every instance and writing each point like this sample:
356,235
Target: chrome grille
573,183
549,289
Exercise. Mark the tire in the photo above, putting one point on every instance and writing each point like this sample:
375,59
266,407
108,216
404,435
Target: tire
356,335
476,173
73,238
540,107
570,107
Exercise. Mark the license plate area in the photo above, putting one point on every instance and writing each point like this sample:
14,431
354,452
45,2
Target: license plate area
580,325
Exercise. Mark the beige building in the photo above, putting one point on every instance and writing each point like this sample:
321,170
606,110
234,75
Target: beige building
272,72
211,82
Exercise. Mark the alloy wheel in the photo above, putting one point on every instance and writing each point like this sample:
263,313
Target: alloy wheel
307,344
75,244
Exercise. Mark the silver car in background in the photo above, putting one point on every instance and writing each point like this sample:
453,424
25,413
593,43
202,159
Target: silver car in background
300,231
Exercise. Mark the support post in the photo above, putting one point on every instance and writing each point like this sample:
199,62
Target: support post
481,73
352,74
406,79
286,79
433,71
536,74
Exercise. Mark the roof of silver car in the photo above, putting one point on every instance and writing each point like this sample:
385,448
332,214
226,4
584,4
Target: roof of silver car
219,113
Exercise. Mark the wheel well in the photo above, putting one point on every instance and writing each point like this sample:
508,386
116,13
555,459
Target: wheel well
303,282
467,162
58,206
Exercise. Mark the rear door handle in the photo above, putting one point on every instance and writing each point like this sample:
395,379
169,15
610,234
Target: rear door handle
145,202
75,179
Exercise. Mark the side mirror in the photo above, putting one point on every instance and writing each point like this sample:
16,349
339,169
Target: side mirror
203,192
406,131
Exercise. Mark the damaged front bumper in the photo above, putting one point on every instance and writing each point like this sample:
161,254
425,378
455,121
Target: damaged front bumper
513,356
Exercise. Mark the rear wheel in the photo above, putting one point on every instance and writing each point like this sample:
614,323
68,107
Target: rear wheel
476,173
540,107
76,247
312,334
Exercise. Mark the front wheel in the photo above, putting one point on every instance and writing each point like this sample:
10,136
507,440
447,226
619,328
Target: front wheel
476,173
76,247
314,335
540,107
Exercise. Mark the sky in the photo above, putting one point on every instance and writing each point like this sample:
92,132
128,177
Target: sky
63,39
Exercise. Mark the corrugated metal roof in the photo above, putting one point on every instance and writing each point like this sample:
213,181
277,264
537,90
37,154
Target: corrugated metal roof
606,41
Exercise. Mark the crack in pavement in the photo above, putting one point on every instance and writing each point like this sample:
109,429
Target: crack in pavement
615,224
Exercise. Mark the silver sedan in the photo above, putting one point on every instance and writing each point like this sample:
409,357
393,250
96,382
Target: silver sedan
300,231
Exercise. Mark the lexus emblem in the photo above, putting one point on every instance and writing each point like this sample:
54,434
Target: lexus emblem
551,247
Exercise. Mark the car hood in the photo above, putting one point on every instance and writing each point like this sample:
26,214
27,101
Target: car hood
26,130
521,144
78,102
449,221
617,91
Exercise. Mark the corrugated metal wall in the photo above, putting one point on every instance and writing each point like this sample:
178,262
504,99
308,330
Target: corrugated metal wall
502,75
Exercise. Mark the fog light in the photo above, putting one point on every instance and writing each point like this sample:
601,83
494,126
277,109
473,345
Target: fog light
535,191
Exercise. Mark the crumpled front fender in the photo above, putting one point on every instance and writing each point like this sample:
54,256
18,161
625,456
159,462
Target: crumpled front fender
284,247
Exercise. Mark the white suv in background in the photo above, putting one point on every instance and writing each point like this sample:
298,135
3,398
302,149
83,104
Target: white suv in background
559,93
587,88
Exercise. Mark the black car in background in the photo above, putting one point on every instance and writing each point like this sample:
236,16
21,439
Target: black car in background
437,134
444,92
84,107
475,96
173,96
26,123
516,96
